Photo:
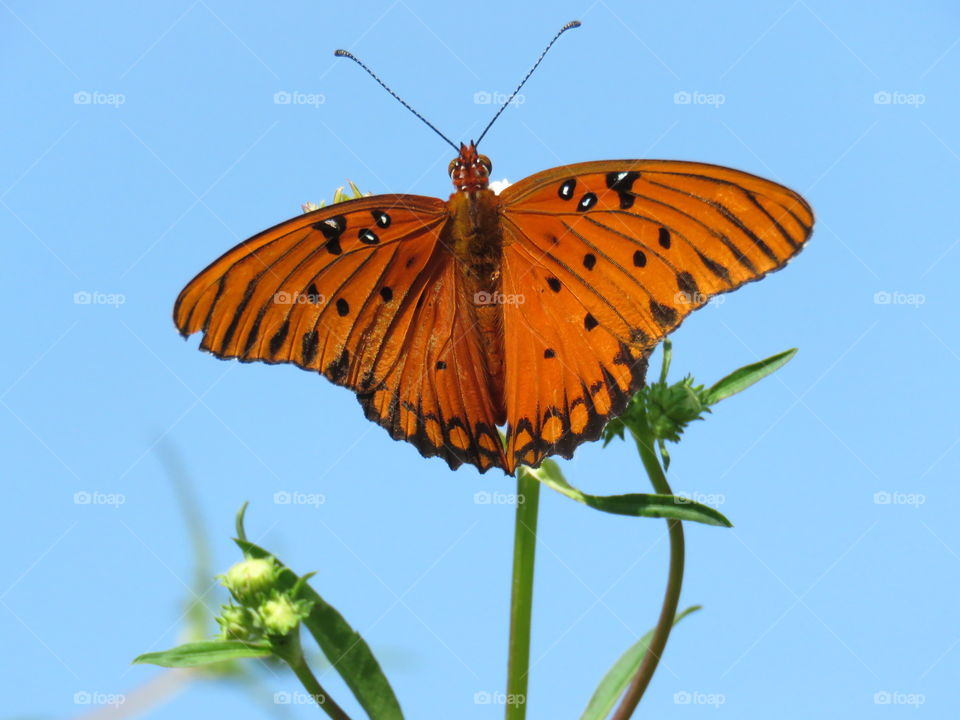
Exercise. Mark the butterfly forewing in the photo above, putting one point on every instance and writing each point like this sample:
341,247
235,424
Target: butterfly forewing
611,256
364,293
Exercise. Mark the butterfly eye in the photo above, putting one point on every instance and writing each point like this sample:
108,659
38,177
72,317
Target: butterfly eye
454,164
485,161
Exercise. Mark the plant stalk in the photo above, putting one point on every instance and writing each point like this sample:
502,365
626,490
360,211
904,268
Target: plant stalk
671,598
292,654
521,599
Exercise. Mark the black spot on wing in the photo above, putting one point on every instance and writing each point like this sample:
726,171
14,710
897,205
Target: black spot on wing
311,341
622,184
336,371
665,316
276,342
664,238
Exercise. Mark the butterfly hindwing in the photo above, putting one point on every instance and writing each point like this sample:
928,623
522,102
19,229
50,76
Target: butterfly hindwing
565,374
363,292
611,256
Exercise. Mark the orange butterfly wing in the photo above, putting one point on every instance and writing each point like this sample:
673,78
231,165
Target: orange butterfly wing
609,258
365,293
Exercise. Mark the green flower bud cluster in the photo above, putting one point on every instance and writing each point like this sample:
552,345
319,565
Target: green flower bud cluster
260,608
670,408
339,195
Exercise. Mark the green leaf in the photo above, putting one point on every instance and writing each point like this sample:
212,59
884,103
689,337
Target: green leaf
341,644
241,533
618,677
634,504
746,376
204,653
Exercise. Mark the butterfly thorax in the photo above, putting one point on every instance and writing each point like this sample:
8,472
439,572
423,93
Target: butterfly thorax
473,235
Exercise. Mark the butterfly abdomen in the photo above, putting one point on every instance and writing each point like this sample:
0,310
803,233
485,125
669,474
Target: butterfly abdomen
475,238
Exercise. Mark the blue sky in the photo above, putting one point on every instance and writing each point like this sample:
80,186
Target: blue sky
141,141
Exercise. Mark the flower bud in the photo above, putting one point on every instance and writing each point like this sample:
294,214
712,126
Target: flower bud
280,615
239,623
250,579
671,407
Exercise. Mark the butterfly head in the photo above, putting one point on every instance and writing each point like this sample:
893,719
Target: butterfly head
470,171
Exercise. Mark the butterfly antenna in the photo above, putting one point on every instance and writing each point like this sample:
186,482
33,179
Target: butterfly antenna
346,54
569,26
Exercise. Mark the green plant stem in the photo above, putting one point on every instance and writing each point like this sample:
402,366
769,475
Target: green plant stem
292,654
521,599
671,598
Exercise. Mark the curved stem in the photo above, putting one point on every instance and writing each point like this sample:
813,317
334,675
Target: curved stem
521,599
292,654
671,597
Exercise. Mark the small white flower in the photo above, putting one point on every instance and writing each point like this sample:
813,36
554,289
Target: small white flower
498,186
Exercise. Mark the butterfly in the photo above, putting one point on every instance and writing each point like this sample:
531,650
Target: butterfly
532,310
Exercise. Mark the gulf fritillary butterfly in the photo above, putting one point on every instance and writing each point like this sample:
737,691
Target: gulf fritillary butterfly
534,309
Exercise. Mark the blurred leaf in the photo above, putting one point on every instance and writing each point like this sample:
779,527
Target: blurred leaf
342,645
746,376
634,504
204,653
241,513
198,615
618,677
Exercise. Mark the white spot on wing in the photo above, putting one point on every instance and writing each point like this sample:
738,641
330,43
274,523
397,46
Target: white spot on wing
498,186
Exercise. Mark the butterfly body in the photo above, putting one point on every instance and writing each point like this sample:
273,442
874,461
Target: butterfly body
533,310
